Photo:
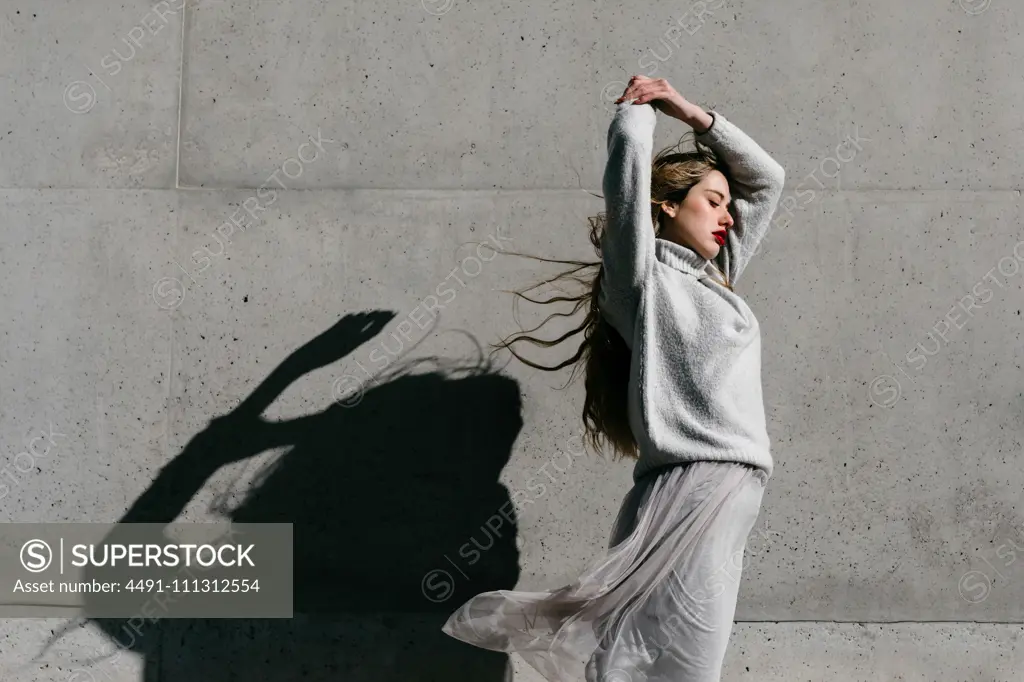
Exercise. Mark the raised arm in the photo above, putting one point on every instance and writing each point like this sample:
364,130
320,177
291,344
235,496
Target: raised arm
756,187
627,244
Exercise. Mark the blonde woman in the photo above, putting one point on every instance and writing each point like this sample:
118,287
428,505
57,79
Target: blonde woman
673,380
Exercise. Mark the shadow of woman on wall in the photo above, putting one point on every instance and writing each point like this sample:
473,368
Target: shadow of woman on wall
398,518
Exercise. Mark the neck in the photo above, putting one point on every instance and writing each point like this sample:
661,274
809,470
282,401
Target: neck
680,256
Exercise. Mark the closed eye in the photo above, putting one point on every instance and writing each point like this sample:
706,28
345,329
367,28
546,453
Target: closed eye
718,195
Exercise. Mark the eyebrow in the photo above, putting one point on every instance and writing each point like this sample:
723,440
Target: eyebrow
719,194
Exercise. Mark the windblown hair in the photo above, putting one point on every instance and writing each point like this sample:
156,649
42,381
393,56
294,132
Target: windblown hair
603,352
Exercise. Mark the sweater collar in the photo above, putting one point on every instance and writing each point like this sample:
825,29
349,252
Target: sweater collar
680,257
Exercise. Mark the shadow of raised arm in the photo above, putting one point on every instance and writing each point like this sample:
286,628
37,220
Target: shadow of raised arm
242,433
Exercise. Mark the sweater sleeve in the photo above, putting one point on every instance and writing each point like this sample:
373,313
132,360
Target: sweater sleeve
627,244
756,187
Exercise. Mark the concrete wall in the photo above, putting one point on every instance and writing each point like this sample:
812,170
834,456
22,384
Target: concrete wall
393,138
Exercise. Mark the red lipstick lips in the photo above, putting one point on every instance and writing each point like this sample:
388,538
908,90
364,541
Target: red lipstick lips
720,237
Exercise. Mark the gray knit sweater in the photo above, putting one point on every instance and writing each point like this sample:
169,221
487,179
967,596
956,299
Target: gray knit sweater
695,375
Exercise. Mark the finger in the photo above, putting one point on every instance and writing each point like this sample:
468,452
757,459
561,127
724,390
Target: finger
642,92
643,95
650,93
632,88
633,92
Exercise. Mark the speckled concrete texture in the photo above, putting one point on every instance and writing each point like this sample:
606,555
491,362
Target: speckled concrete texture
242,208
90,94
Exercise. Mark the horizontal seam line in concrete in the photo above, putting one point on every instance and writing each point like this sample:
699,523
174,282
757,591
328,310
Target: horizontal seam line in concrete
455,191
891,622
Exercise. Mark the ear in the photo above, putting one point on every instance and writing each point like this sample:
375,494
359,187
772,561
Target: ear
670,208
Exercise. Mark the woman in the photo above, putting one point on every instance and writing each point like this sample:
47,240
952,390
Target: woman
673,379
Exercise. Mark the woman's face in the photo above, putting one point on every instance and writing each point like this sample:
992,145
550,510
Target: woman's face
702,213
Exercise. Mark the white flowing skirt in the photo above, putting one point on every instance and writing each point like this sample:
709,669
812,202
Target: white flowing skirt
657,607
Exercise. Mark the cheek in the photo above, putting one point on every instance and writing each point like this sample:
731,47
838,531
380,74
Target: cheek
697,214
702,215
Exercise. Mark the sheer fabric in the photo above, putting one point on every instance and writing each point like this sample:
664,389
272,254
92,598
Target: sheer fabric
658,606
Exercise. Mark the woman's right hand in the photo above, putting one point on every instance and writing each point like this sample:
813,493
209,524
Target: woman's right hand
659,94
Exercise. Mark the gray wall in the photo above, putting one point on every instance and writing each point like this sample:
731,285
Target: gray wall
889,294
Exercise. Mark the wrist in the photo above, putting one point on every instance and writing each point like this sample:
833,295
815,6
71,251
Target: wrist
695,117
702,122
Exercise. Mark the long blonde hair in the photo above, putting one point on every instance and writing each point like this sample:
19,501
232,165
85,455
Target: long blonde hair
602,352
